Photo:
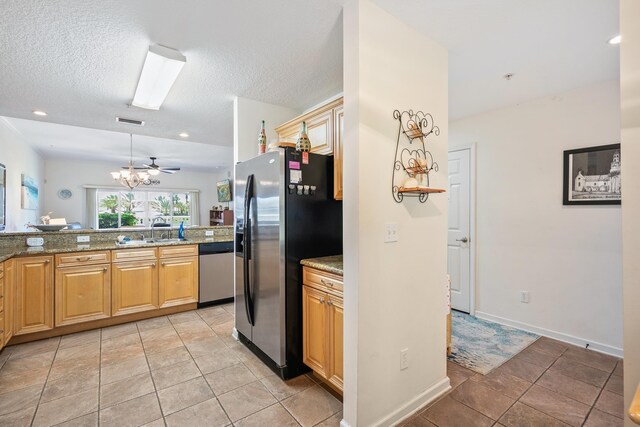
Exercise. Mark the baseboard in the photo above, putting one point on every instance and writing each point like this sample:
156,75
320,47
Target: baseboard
411,407
570,339
234,333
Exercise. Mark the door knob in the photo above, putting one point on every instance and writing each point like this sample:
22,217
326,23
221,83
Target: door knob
463,240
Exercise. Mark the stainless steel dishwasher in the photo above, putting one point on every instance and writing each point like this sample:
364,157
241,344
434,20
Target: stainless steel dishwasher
216,273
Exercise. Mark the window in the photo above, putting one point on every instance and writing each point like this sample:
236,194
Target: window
116,209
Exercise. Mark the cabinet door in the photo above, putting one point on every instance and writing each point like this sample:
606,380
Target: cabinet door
9,298
319,131
178,281
314,332
134,287
82,294
338,121
335,340
34,295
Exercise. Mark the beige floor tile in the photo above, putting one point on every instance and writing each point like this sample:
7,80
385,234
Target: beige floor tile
274,415
598,418
121,354
448,412
283,389
120,371
121,341
521,369
158,333
168,357
611,403
415,421
127,389
334,421
615,385
246,400
569,387
196,324
73,383
482,399
258,368
550,346
153,323
156,423
20,380
220,319
21,418
205,346
207,413
61,368
19,399
162,344
27,363
175,374
66,408
132,413
207,314
89,420
187,316
183,395
35,347
312,405
119,330
580,372
559,407
78,352
223,328
592,358
536,357
80,338
221,359
504,383
230,378
520,415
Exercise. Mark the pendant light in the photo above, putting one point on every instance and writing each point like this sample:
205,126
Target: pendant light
129,177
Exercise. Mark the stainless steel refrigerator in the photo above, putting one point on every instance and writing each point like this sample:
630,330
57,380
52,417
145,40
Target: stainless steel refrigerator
285,212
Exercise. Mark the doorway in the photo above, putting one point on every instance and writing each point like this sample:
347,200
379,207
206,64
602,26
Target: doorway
461,238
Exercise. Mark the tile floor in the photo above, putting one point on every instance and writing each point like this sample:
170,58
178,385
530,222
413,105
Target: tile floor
178,370
548,384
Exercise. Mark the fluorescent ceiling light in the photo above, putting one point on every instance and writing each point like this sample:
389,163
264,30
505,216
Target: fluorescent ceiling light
615,40
160,70
183,135
39,113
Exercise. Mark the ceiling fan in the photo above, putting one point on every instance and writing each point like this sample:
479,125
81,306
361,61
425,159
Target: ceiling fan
154,169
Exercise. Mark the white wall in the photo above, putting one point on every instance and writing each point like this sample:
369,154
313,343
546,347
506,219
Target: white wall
247,118
630,104
73,174
394,292
567,257
19,158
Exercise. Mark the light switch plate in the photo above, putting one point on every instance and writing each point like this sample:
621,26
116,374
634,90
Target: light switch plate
35,241
208,233
84,239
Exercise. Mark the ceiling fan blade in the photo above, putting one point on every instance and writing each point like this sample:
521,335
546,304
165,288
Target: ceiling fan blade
171,172
149,166
167,168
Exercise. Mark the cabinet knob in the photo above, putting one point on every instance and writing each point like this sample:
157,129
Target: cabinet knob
47,261
105,269
329,302
321,300
153,264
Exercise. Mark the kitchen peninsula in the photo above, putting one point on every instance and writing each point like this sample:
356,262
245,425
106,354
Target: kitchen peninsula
64,286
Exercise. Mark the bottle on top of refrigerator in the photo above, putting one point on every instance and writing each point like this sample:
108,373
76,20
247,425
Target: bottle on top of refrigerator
262,140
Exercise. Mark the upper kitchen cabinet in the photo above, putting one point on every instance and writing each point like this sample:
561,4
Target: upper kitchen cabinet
324,128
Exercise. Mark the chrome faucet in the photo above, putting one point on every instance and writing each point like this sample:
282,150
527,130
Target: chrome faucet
153,221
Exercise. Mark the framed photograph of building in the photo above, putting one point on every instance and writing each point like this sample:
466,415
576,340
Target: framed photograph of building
592,176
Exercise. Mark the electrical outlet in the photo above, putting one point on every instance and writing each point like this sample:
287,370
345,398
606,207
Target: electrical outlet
524,297
404,359
391,232
208,233
84,239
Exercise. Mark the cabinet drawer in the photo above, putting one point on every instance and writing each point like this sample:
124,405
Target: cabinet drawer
178,251
82,258
322,280
135,254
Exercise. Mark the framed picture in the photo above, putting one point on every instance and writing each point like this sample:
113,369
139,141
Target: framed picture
29,193
224,190
592,176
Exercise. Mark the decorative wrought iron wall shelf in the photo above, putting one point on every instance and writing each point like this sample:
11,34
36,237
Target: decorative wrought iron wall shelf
413,163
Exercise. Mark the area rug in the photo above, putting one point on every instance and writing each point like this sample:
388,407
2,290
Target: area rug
481,345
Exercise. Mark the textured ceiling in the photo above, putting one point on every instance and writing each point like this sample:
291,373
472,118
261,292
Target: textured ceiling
77,143
79,60
550,45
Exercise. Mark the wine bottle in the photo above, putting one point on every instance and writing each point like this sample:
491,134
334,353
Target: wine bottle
262,140
303,144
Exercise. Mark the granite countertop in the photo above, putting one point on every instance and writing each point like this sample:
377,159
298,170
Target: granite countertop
7,253
330,264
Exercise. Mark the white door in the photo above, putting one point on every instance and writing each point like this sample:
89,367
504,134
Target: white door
458,248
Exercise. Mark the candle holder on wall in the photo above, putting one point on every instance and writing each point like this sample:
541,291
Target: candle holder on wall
413,163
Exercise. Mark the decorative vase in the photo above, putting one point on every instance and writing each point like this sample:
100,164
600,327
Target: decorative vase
303,143
262,140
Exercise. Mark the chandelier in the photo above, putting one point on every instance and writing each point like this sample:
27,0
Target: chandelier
129,176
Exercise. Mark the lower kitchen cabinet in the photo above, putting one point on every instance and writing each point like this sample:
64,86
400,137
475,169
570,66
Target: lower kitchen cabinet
322,323
34,294
178,281
82,294
9,298
134,287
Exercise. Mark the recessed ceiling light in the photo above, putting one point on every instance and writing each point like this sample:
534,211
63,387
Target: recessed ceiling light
39,113
183,135
615,40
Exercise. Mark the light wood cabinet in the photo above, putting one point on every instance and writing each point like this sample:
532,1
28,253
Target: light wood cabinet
2,314
338,119
322,323
9,298
134,287
82,294
34,294
178,281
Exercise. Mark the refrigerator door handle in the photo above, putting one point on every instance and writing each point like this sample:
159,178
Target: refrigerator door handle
246,252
